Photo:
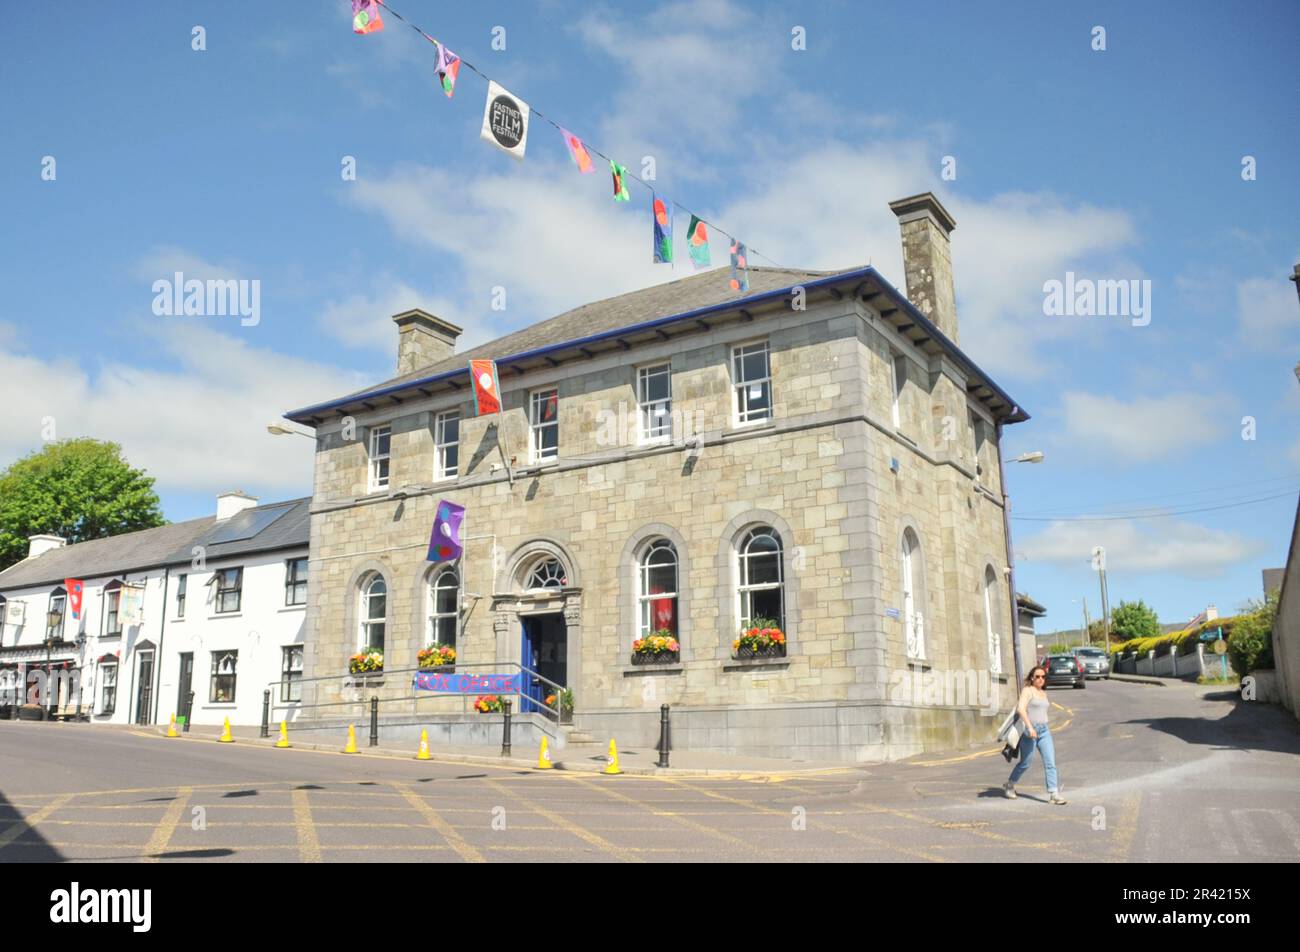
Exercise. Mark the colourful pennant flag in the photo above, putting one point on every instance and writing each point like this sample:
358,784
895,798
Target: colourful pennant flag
444,541
75,588
505,121
620,181
663,224
487,389
447,68
739,267
697,243
578,152
365,16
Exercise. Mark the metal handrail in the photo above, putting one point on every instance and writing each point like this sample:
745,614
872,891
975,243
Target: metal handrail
556,712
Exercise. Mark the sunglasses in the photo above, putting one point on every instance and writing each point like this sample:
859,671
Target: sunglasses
1039,677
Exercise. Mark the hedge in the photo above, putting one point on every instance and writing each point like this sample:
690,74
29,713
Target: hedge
1184,641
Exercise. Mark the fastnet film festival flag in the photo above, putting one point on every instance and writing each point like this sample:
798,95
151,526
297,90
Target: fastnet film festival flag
487,389
447,68
444,542
365,16
505,121
75,587
663,226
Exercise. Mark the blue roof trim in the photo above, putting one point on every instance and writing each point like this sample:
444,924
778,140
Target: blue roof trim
841,278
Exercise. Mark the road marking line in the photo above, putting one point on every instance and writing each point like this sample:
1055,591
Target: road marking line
608,791
853,834
308,844
447,831
162,833
565,823
1127,828
18,827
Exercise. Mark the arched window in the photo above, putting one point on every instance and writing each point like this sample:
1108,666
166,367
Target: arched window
762,578
993,619
548,573
913,617
657,591
444,608
374,608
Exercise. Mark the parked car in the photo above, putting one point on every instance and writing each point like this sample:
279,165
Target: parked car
1065,669
1096,662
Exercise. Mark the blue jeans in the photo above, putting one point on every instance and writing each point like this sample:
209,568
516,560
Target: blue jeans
1045,747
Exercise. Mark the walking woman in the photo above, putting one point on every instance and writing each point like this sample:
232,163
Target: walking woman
1032,709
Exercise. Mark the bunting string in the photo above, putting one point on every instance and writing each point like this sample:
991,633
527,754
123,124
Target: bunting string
579,149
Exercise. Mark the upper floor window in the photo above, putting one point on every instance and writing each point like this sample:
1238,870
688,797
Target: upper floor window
229,589
992,619
180,595
374,612
112,602
380,444
977,436
913,617
548,573
898,373
657,595
544,424
446,441
762,578
444,608
222,687
751,374
291,673
58,601
295,581
655,402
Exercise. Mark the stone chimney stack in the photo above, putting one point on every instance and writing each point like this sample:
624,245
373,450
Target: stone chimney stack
38,545
927,259
232,502
423,340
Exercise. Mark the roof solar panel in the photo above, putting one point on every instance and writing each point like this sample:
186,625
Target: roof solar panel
245,525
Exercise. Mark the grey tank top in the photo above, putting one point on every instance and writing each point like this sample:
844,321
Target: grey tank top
1037,708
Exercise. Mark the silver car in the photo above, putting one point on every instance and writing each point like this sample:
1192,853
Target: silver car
1096,662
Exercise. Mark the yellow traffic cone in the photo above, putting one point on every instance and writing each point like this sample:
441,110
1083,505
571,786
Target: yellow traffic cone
225,737
544,757
423,752
284,735
352,740
611,767
171,728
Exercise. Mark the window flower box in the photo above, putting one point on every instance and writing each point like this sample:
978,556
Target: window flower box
440,658
565,700
490,704
658,648
760,641
366,662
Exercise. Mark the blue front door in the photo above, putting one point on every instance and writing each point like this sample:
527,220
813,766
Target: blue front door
544,652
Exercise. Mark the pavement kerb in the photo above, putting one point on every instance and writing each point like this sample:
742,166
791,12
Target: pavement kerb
1137,679
520,763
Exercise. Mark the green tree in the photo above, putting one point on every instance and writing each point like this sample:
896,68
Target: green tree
1250,643
78,489
1133,620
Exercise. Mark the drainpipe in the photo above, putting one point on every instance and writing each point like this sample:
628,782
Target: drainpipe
1011,563
162,630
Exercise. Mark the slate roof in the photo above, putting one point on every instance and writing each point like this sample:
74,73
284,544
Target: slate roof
153,548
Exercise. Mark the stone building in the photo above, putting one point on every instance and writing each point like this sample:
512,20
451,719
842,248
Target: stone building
817,451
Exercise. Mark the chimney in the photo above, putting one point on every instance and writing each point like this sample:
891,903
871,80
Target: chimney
927,259
423,340
230,503
38,545
1212,613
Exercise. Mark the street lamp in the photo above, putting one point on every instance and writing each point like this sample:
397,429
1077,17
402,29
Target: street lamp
1034,457
279,429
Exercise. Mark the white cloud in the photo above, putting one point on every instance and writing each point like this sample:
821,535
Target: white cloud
366,320
198,424
1141,429
1142,546
1267,311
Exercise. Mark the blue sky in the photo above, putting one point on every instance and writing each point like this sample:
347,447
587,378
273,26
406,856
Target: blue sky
1117,164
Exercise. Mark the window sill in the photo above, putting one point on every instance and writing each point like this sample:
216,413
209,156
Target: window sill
920,663
217,706
111,637
226,615
632,670
756,664
737,427
293,608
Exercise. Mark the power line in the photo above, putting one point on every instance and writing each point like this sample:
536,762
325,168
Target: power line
537,112
1153,514
1186,492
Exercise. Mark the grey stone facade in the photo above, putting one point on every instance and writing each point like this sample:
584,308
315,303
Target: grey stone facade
831,473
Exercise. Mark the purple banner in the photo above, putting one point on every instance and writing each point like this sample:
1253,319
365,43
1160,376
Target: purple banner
469,683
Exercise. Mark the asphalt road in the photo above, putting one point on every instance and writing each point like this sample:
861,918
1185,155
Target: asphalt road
1174,773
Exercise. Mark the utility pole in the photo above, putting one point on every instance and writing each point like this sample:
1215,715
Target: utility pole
1099,563
1087,624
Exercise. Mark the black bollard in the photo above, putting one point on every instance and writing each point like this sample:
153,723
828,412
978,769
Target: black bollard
374,720
266,713
663,736
505,731
189,713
